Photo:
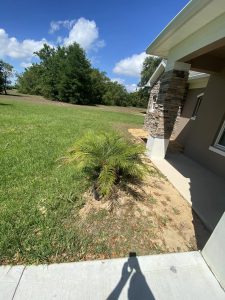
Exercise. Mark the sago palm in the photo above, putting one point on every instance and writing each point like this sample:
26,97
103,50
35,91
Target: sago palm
107,159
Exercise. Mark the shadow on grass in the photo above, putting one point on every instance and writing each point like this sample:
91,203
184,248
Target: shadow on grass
144,140
5,104
135,191
14,95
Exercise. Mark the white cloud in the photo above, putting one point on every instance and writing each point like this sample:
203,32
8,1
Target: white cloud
11,47
57,25
85,33
130,66
25,64
82,31
119,80
59,39
131,87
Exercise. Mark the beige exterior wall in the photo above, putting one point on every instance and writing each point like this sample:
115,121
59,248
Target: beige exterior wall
199,134
185,119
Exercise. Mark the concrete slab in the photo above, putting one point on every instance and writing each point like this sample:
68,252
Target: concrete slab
203,189
214,251
170,276
9,279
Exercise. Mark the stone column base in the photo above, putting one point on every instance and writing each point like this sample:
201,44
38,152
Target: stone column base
156,147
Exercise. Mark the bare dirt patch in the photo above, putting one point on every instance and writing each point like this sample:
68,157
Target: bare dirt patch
153,218
139,134
149,218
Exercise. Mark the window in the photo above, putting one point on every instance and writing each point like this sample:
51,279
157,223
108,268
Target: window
199,101
219,145
220,141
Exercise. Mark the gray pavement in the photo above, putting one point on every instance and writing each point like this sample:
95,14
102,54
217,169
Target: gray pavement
203,189
168,276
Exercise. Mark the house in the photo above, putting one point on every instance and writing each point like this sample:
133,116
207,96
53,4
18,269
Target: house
187,106
195,88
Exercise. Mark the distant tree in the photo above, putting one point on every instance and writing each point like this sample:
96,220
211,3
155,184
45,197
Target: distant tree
65,74
149,66
50,71
141,97
6,72
74,78
98,85
31,81
1,78
115,94
134,99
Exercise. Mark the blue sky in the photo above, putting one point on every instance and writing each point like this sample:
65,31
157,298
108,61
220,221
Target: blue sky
114,33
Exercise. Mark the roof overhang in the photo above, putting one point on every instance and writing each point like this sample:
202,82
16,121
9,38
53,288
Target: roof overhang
195,79
194,16
198,80
158,72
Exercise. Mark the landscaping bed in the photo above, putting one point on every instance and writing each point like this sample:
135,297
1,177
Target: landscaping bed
46,212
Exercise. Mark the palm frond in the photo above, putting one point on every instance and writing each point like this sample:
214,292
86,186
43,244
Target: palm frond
107,158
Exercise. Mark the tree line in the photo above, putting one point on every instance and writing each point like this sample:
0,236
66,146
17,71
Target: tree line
65,74
6,71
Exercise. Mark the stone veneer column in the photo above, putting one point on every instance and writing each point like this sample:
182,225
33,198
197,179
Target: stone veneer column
154,92
162,120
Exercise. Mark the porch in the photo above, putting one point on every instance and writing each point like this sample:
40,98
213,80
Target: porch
203,189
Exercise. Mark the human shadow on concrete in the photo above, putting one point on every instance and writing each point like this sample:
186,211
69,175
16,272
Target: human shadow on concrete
138,287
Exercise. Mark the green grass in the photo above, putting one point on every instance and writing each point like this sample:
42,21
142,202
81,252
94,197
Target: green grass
152,200
39,200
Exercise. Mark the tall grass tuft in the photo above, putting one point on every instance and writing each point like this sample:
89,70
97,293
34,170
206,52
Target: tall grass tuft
107,159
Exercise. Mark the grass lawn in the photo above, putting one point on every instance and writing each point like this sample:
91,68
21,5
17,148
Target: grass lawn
47,216
40,202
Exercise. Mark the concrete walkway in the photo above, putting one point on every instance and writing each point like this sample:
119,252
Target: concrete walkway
204,190
171,276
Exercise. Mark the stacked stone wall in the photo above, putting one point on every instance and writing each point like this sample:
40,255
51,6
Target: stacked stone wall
163,120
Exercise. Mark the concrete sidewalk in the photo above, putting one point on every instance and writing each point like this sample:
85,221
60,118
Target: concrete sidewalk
169,276
203,189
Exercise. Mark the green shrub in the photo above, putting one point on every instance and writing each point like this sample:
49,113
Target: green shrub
107,159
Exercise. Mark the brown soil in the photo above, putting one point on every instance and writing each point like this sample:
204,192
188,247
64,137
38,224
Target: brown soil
139,134
148,218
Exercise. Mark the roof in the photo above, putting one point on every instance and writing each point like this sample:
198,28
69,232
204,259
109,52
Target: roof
161,68
196,75
195,15
158,72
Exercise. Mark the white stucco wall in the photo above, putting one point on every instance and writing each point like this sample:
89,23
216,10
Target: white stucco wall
214,251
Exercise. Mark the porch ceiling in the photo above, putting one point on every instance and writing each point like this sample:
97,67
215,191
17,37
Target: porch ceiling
208,60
